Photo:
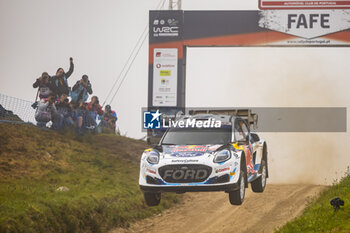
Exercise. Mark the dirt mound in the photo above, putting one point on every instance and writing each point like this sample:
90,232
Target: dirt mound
8,115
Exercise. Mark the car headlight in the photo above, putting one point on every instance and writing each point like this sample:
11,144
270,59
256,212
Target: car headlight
153,157
222,156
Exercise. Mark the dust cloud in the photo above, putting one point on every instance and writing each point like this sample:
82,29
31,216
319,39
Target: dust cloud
279,77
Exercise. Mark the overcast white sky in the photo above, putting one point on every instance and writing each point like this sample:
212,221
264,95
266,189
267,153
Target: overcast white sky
41,35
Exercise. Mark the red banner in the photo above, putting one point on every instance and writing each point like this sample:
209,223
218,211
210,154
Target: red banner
301,4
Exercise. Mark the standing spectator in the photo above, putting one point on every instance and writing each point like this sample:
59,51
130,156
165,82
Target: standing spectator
60,80
94,109
81,90
47,111
109,118
44,84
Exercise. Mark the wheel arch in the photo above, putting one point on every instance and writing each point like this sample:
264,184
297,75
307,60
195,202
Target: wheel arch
244,162
264,158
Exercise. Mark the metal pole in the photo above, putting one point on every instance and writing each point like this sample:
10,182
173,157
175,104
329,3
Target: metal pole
179,5
170,4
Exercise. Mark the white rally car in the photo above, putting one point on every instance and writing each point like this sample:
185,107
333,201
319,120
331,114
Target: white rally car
205,159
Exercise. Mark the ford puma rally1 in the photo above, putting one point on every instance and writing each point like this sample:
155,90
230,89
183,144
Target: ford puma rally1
197,159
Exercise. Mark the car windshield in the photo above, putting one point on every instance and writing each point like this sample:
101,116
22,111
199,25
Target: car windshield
197,136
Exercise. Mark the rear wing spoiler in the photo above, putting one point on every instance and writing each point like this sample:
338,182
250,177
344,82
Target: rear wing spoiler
246,114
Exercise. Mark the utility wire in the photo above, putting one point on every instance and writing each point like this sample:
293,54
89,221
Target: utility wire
120,84
159,6
125,65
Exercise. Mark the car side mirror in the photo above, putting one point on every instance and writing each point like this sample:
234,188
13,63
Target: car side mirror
244,141
255,137
152,142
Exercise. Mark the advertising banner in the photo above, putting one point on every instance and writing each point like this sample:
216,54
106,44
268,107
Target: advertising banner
172,32
267,28
302,4
165,77
165,26
309,27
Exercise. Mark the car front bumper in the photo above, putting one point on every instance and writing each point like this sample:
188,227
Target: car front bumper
190,188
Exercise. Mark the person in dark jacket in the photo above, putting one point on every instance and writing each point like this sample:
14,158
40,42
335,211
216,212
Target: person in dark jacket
81,90
60,80
81,117
64,109
44,83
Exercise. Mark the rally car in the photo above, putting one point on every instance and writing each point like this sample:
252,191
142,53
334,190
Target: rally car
197,159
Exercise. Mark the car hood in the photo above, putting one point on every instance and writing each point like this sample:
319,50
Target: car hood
181,151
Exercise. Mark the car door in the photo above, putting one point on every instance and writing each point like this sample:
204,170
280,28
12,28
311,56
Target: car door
242,133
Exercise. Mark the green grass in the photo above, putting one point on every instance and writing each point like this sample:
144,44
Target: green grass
101,172
319,216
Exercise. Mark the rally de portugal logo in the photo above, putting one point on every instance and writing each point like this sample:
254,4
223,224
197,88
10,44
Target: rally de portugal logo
151,120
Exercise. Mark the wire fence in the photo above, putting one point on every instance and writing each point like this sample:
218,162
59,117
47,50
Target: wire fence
15,109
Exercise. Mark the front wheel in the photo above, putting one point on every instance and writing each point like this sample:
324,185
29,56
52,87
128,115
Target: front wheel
258,185
152,199
236,197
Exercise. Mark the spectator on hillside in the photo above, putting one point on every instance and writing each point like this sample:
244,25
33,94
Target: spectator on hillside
60,80
94,108
64,109
73,113
109,118
44,83
72,110
81,90
47,111
81,117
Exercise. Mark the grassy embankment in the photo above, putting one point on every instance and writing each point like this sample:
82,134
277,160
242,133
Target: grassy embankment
101,172
319,216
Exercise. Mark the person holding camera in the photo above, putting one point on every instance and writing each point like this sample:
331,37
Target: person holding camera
64,110
47,111
60,80
81,90
44,84
94,109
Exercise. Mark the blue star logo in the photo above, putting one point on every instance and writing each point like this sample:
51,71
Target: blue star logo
151,120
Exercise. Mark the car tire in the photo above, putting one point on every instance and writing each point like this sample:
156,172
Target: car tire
258,185
152,199
237,196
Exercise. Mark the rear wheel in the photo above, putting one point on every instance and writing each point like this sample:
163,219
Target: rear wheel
236,197
259,184
152,199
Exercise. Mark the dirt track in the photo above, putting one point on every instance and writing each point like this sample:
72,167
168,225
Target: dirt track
212,212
